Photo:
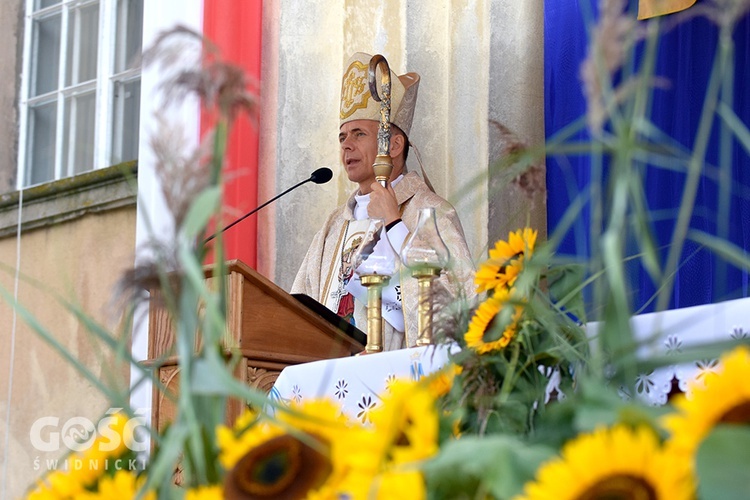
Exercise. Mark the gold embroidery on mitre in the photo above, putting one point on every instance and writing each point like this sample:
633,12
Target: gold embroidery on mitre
354,89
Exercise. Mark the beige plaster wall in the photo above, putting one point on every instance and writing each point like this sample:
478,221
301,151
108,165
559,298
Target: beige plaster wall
480,60
79,260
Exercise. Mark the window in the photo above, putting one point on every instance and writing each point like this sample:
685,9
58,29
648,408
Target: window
81,93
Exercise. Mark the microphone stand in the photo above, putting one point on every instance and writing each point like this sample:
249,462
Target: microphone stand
256,209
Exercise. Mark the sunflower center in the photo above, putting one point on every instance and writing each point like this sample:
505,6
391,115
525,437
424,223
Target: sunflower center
282,467
620,487
271,468
740,414
402,439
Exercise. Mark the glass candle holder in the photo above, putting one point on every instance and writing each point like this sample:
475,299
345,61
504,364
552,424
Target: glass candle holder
426,255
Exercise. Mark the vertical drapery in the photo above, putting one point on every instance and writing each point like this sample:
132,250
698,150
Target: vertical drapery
235,27
685,58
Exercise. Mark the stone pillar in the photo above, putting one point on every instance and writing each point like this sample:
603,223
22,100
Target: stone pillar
515,111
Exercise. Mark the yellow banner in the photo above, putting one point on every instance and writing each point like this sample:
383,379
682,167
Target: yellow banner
653,8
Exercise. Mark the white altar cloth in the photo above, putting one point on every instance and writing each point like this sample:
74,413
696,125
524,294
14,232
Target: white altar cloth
668,332
357,382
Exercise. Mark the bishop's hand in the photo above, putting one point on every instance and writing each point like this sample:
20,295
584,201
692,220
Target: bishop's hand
383,204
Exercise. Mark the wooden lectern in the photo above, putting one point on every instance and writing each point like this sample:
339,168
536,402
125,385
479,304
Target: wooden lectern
267,326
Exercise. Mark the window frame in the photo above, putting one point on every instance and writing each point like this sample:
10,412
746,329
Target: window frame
63,97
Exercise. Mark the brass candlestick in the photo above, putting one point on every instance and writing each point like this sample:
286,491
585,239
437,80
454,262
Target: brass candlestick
374,284
425,276
374,262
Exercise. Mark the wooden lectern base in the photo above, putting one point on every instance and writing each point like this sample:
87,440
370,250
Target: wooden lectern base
269,328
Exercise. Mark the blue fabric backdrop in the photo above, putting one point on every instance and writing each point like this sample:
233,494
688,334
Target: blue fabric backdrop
685,58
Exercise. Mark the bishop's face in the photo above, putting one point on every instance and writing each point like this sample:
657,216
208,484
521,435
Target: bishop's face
359,147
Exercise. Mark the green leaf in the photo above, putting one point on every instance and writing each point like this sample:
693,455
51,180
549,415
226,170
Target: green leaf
728,251
162,465
496,464
201,210
565,287
509,416
722,462
643,231
733,121
210,377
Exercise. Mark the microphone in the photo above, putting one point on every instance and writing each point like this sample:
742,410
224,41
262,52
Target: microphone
320,176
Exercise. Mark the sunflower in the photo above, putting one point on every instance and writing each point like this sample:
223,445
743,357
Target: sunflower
408,421
440,382
406,485
405,431
308,449
248,432
493,275
123,485
285,466
506,260
481,325
370,470
319,417
721,397
58,484
381,457
211,492
88,467
44,491
613,463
